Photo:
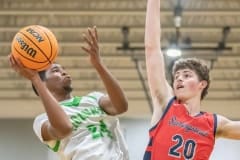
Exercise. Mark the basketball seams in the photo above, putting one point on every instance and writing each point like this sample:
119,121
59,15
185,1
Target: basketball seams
37,68
52,43
49,35
45,64
26,36
25,56
42,30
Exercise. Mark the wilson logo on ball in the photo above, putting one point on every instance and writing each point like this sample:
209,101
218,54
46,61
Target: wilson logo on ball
35,34
24,46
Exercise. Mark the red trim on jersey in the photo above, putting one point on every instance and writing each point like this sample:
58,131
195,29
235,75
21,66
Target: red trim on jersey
149,148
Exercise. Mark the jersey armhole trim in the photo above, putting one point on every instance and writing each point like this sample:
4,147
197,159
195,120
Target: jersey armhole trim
215,124
164,112
56,147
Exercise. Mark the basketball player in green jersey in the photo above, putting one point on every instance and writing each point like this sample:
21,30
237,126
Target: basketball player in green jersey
79,128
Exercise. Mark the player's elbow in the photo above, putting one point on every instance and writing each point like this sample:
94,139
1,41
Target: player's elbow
120,108
124,107
64,131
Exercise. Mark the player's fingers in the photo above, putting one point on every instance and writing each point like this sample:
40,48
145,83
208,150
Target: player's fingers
86,39
86,50
91,33
13,63
19,63
96,34
11,60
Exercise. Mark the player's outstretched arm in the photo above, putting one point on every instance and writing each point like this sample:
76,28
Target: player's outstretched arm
227,128
160,90
58,125
116,101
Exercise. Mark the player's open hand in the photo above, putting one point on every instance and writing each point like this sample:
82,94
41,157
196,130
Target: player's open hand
16,64
92,48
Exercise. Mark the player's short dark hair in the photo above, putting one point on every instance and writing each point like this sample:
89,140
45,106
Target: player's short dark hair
198,66
42,75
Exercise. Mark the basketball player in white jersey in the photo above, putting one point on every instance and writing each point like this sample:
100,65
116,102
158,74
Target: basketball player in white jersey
78,128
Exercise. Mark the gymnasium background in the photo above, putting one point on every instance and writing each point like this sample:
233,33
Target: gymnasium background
207,29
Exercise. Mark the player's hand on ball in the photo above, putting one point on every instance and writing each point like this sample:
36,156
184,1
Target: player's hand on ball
20,69
92,47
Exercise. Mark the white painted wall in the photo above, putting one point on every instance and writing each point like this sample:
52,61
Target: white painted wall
18,142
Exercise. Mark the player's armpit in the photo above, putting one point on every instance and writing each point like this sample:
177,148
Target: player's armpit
46,135
49,133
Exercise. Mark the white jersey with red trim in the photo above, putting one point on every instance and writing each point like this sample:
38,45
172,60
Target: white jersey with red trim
95,136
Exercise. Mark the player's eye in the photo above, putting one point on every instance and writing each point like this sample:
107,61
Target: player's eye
176,77
55,70
187,76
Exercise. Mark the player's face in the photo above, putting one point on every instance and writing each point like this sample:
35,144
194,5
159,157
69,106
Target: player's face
57,79
186,84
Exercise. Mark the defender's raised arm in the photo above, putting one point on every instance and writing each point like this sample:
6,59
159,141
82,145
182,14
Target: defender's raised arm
160,90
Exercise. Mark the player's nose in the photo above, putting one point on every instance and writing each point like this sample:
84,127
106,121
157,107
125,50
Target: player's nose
64,73
179,79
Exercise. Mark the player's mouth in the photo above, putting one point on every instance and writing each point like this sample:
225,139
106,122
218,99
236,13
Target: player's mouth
67,78
179,86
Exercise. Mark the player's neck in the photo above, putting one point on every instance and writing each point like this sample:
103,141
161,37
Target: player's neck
62,97
192,105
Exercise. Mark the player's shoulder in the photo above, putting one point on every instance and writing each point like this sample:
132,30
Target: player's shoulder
95,94
222,120
209,114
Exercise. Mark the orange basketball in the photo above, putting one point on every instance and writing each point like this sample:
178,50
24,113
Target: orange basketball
36,47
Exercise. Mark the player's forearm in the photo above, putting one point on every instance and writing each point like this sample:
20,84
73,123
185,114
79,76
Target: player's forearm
154,58
114,90
159,87
56,116
152,26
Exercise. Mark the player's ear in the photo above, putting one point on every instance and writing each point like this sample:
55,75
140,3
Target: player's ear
42,75
203,84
